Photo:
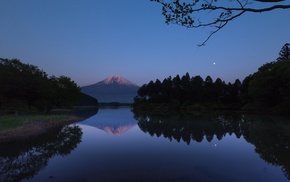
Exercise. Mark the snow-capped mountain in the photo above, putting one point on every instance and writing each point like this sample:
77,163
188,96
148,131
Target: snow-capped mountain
117,80
112,89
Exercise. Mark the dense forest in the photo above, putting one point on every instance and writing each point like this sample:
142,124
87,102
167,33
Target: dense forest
25,88
269,87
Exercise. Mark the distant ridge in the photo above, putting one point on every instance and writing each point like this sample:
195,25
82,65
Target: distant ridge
112,89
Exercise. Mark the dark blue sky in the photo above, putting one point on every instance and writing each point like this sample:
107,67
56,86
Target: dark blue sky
91,40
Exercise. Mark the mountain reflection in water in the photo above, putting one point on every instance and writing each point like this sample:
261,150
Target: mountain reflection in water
271,137
179,147
114,124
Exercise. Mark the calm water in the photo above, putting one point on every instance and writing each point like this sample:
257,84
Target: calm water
116,145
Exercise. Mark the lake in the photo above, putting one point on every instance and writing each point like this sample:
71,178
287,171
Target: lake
115,144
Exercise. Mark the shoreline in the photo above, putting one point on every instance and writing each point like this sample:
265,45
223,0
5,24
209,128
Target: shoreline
34,128
209,107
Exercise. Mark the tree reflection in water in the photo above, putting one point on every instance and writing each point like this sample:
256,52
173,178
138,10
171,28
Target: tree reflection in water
269,135
23,159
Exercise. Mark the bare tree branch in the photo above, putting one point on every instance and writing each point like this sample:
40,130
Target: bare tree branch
220,27
185,13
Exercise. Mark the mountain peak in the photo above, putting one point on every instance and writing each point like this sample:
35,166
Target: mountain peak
117,79
112,89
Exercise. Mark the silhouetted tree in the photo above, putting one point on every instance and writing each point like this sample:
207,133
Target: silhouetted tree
219,89
181,92
198,89
25,87
66,92
186,89
191,14
209,89
245,88
143,92
284,53
22,85
176,89
167,89
236,90
157,91
150,89
271,85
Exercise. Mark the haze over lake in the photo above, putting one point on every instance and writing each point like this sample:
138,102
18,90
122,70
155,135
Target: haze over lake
116,145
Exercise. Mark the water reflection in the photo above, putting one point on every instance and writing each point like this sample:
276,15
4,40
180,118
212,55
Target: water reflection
270,136
23,159
113,120
89,154
86,112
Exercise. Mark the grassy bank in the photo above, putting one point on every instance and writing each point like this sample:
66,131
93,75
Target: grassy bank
12,127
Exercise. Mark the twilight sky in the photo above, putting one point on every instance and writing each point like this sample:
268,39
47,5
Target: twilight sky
89,40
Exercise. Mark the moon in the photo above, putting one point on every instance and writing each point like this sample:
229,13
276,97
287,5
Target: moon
213,63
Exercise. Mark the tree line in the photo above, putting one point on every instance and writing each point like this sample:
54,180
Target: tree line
269,86
186,89
24,87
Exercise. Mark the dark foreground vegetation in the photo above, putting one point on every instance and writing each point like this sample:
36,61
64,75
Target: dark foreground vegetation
267,90
27,89
31,102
